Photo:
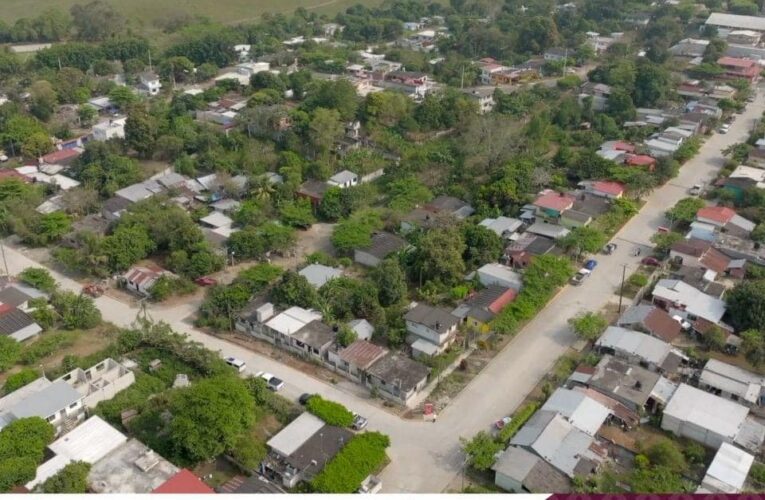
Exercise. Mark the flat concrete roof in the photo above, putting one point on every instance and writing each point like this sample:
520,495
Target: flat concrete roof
296,434
131,468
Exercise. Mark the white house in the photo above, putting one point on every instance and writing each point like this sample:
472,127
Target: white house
498,274
55,402
728,471
100,382
343,179
111,129
149,83
431,329
141,278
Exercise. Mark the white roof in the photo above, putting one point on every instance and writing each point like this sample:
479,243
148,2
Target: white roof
562,445
635,343
295,434
89,442
424,346
736,21
695,301
707,411
663,390
501,225
550,230
743,171
318,274
342,177
610,154
217,219
64,182
733,380
363,328
583,412
730,467
33,387
292,320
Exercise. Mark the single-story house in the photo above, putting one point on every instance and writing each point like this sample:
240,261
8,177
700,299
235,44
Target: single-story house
132,467
16,324
343,179
397,377
652,320
55,402
551,204
483,306
501,275
381,246
314,191
517,470
503,226
728,471
319,274
552,231
183,482
140,279
640,348
734,383
356,359
725,218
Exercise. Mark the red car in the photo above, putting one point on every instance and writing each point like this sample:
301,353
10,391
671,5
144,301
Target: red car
650,261
206,281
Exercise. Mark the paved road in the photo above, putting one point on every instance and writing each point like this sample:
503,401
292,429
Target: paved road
426,457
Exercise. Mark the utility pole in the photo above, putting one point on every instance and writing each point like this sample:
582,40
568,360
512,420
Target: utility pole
621,287
5,262
565,61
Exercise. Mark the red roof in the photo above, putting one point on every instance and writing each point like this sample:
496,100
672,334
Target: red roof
640,160
59,156
723,215
736,62
5,308
503,300
183,482
715,260
554,201
12,174
624,146
608,187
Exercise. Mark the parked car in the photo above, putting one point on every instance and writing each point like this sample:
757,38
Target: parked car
724,128
662,229
502,422
206,281
609,249
236,363
695,190
684,324
274,383
591,264
650,261
303,399
359,422
580,276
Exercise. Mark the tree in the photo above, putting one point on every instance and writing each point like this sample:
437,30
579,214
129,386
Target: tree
482,245
86,115
652,83
390,281
210,416
338,95
38,277
295,290
656,480
10,350
16,471
345,336
249,452
438,256
481,450
329,411
77,311
141,130
714,50
25,437
753,347
19,379
176,69
36,145
96,20
620,105
122,97
50,228
584,239
664,241
298,214
73,478
355,232
346,298
666,453
589,325
715,338
746,305
44,100
684,211
387,108
126,246
325,128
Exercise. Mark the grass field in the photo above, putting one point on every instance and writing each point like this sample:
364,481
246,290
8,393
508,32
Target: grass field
142,13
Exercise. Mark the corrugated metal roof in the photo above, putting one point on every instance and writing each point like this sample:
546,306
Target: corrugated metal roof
730,466
634,343
584,413
706,411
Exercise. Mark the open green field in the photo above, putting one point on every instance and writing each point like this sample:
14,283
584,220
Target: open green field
142,13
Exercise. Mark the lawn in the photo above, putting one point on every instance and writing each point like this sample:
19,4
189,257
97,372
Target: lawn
143,12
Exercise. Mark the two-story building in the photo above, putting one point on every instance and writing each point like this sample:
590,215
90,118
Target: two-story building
58,403
430,329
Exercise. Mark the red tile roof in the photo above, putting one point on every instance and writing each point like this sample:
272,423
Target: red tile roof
183,482
503,300
715,260
362,353
660,324
723,215
691,246
608,187
554,201
640,160
59,156
624,146
736,62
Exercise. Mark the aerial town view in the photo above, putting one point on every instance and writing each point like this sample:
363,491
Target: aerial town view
382,246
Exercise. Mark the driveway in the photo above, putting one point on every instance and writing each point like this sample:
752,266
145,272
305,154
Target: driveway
426,457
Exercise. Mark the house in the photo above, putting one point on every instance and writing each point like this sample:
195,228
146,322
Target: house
551,231
313,340
735,68
356,359
249,484
521,252
89,442
314,191
711,420
439,207
16,324
103,105
362,328
430,329
484,99
148,83
556,54
734,383
140,191
597,92
652,320
628,384
18,295
577,407
63,157
318,274
343,179
727,220
690,303
111,129
744,37
605,189
645,161
100,382
483,306
494,73
699,253
140,279
689,47
558,441
301,450
498,274
551,204
742,178
736,22
517,470
728,471
183,482
381,246
216,219
640,348
574,218
132,467
55,402
504,227
397,377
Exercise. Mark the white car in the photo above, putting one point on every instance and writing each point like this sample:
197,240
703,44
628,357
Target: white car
724,128
236,363
684,324
274,383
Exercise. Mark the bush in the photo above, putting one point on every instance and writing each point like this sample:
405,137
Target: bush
73,478
519,420
363,455
134,396
757,473
638,280
39,278
10,350
46,345
331,412
19,380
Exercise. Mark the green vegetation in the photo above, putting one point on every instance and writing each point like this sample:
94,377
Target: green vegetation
363,455
22,445
73,478
38,277
20,379
481,450
520,417
589,325
331,412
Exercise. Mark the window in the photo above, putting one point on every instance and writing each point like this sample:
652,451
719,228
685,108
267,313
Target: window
74,405
51,418
100,367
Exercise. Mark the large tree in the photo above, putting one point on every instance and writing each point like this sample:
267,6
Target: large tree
746,305
439,256
390,281
73,478
482,246
684,211
96,20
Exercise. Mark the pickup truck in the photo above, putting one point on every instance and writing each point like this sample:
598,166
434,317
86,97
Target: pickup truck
274,383
580,276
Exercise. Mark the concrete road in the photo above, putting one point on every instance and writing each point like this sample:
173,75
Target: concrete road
426,457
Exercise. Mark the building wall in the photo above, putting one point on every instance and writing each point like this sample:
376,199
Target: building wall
26,333
507,483
706,437
687,260
426,333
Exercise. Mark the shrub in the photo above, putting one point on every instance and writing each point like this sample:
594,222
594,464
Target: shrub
331,412
638,280
19,379
363,455
73,478
519,419
46,345
39,278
